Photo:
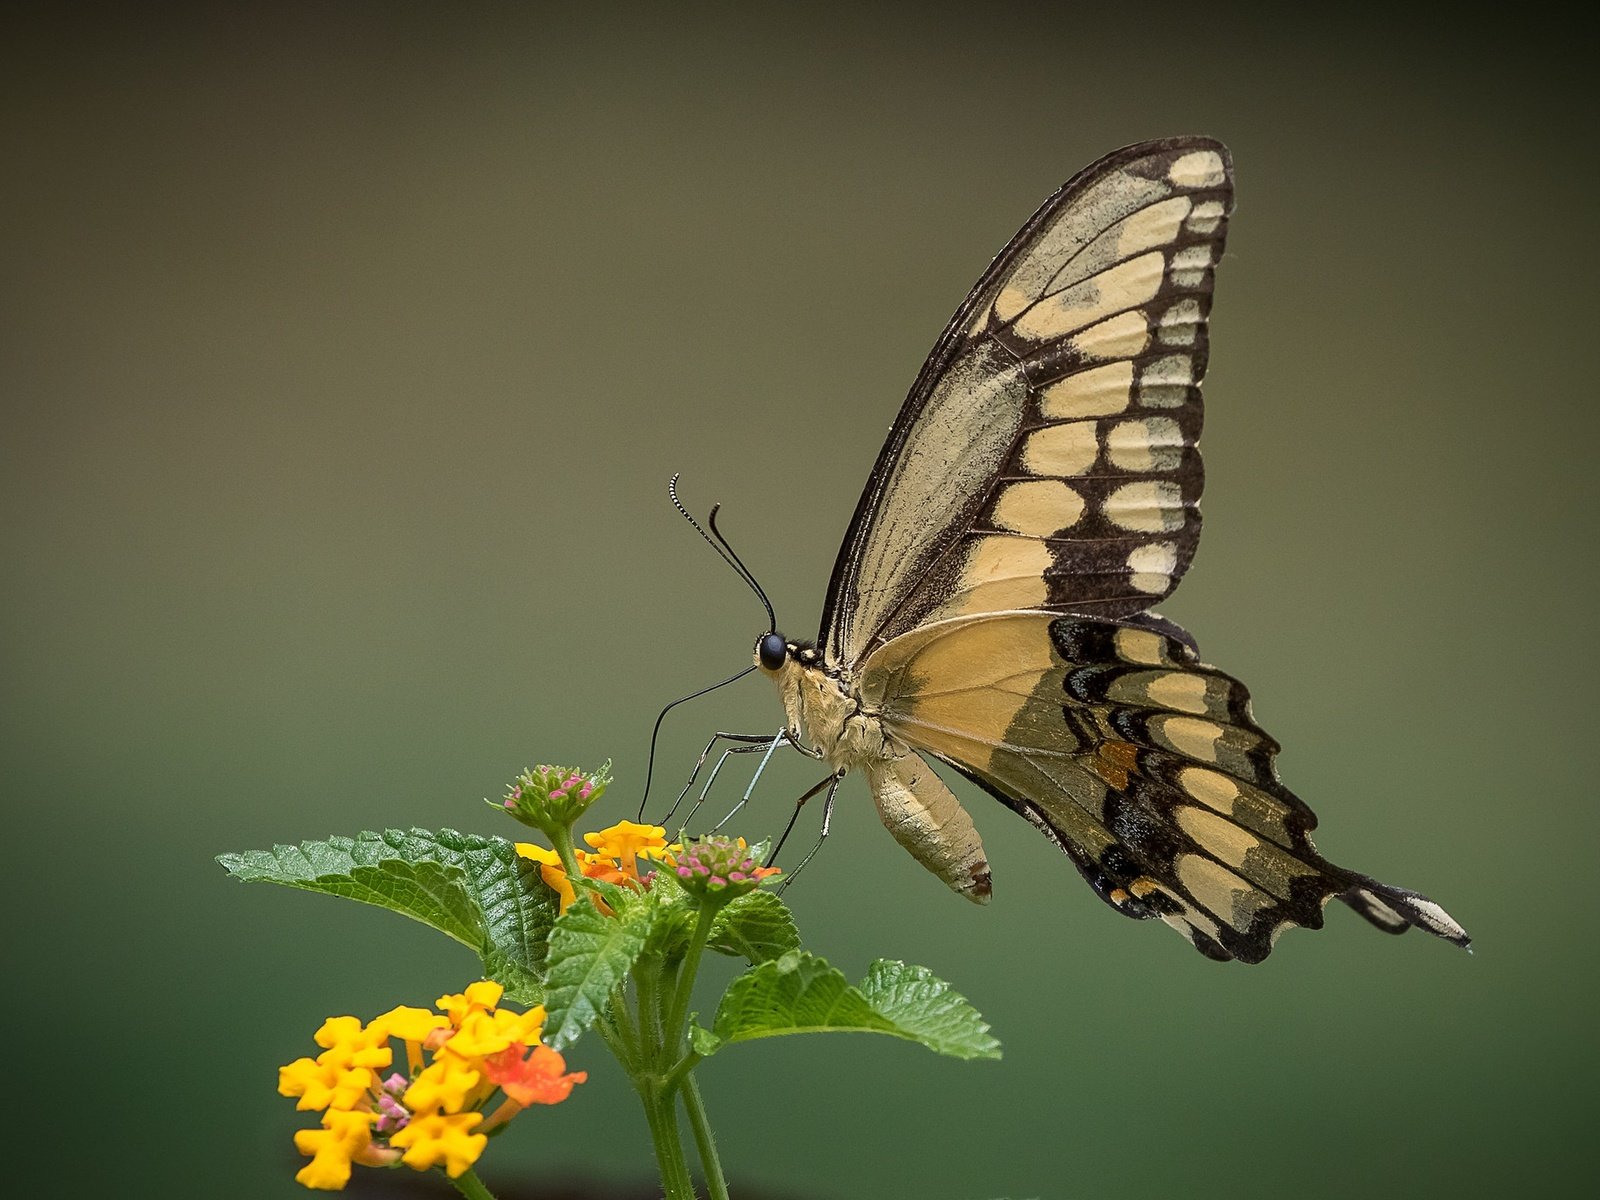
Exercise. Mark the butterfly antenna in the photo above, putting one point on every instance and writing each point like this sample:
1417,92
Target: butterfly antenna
727,555
749,575
650,764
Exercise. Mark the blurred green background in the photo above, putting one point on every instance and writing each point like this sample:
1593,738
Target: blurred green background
348,349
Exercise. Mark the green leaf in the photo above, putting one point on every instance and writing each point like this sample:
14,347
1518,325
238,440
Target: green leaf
590,953
925,1008
801,993
795,993
757,926
477,890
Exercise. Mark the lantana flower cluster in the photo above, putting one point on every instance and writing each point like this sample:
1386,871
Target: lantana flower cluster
550,798
458,1061
719,869
613,857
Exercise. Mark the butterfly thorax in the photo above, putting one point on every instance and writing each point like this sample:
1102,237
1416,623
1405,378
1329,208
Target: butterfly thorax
825,711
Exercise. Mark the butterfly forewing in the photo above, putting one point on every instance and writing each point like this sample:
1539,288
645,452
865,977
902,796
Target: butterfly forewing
1046,457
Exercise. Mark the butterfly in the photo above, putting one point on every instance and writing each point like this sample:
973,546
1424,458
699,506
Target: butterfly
990,604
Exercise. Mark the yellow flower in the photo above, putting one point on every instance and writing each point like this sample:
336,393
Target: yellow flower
351,1044
627,840
343,1136
443,1085
322,1086
486,1033
431,1140
479,996
412,1024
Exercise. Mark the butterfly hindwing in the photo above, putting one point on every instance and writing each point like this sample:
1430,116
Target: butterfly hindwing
1140,762
1046,457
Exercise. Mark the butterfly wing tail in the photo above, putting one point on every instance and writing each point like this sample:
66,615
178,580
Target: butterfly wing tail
1396,909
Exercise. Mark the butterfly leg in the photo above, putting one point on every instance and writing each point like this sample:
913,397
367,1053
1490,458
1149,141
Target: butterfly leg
832,783
795,816
751,741
765,748
782,737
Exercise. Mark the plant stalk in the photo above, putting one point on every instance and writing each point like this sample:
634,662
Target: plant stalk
703,1140
676,1014
561,840
662,1114
470,1186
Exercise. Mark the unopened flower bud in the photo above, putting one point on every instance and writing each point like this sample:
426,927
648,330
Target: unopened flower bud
549,798
717,869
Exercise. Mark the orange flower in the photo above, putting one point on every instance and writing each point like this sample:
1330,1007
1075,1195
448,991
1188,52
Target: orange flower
538,1078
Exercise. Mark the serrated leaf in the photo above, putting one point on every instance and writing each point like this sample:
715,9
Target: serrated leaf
925,1008
757,926
801,993
475,889
590,953
795,993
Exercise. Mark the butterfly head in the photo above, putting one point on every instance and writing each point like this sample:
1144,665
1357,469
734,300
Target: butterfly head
772,651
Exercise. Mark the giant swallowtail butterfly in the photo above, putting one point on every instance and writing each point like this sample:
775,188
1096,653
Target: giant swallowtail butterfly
989,608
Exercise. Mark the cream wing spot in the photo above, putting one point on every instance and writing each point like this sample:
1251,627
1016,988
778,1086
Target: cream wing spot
1037,507
1178,323
1141,646
1067,449
1220,891
1002,573
1205,218
1010,302
1166,381
1123,286
1152,566
1150,444
1148,506
1219,837
1180,691
1121,336
1192,736
1210,788
983,653
1197,169
1153,226
1189,266
1098,392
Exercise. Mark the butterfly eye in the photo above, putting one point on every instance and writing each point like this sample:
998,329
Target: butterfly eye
771,651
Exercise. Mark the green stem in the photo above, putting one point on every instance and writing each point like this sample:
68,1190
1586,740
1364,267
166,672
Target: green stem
680,998
675,1076
561,839
622,1025
647,978
470,1186
703,1140
662,1114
